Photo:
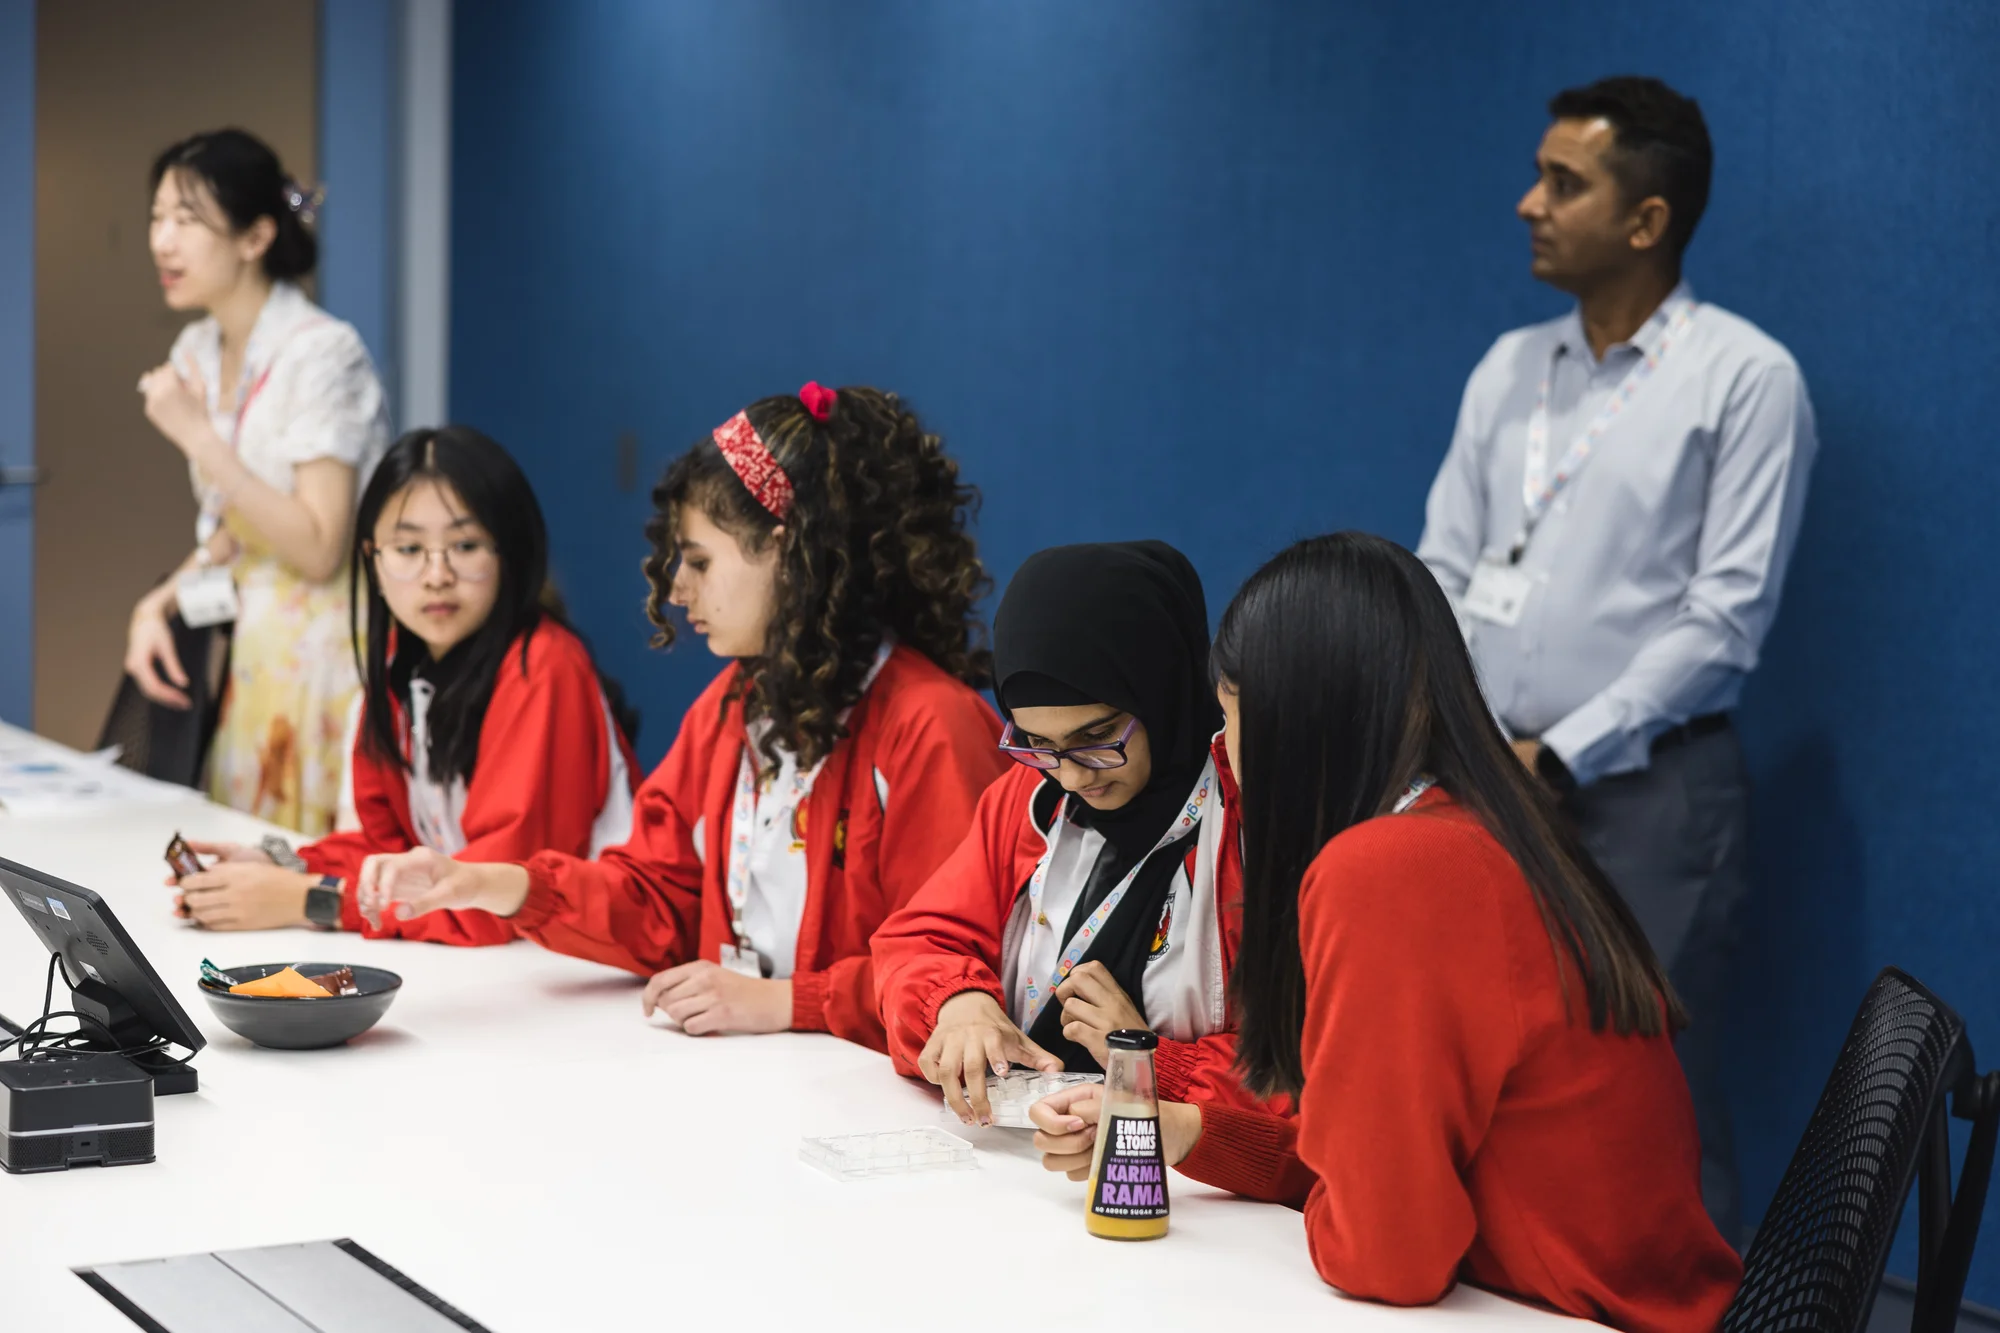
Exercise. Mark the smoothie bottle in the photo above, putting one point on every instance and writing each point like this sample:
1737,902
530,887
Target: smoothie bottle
1128,1171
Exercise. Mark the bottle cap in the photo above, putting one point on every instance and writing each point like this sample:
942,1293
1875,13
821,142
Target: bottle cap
1131,1039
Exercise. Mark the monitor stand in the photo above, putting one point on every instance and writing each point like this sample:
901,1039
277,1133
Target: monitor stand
105,1006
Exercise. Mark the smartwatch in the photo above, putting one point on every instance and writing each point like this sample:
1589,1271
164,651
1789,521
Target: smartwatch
323,903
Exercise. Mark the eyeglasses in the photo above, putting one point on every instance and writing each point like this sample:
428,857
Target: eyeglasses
405,562
1106,754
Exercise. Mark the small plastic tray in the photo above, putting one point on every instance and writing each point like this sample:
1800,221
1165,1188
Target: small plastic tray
895,1152
1012,1094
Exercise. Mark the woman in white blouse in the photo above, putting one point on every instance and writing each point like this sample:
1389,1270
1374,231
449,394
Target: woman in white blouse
281,416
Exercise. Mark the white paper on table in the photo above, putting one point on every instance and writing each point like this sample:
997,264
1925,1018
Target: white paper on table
39,779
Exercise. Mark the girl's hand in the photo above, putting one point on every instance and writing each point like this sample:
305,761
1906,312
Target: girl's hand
150,659
178,408
220,852
707,999
420,881
1095,1006
1066,1129
974,1034
243,895
230,851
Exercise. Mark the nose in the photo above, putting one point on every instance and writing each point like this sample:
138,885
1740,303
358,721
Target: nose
1534,204
1075,777
678,593
438,573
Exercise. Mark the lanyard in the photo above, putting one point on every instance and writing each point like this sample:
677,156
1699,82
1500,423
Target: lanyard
743,817
212,501
1189,816
1411,794
1539,488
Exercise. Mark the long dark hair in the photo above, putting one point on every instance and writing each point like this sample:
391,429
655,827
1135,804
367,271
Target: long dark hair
247,182
1351,681
875,543
495,492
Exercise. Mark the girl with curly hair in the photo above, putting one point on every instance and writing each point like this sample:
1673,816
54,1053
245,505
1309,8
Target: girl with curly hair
818,542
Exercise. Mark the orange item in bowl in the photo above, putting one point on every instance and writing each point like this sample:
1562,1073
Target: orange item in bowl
283,983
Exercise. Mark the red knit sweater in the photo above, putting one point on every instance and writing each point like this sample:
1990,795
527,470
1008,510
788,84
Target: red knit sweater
1455,1123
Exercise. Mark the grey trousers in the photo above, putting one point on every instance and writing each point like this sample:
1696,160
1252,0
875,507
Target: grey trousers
1675,841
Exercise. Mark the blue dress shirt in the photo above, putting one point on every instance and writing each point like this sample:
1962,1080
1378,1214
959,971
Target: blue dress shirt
1656,572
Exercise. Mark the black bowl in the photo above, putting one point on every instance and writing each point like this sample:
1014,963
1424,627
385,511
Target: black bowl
288,1023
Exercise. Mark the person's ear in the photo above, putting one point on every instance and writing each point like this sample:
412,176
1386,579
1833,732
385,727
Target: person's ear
254,240
1650,220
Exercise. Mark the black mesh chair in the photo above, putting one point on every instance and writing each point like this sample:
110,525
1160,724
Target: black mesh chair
1881,1123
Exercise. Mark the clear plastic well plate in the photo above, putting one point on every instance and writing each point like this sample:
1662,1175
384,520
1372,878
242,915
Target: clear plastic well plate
1013,1093
896,1152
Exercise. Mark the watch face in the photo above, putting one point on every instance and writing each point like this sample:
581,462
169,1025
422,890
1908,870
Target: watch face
323,903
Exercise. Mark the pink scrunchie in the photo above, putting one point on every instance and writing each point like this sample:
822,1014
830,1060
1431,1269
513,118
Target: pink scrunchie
819,400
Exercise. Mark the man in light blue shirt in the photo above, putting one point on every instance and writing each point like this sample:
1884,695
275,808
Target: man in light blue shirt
1613,522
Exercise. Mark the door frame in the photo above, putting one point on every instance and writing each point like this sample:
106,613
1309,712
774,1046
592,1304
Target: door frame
17,361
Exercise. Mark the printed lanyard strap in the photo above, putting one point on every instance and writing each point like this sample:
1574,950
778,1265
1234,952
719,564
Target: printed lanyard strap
1540,487
1411,794
743,816
1190,815
210,517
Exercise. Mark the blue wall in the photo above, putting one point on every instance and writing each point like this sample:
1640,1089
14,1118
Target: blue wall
17,358
1217,272
360,43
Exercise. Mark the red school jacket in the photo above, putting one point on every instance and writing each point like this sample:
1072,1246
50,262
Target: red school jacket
544,773
889,804
949,939
1459,1118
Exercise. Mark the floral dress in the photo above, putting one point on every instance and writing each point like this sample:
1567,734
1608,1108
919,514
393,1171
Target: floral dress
307,391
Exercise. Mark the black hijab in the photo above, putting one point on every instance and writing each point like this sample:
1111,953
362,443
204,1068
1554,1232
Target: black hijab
1123,624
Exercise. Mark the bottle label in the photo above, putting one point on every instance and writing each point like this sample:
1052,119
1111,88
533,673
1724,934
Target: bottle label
1132,1181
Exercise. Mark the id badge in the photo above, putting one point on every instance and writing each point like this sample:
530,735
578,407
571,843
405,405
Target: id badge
206,597
1498,592
743,962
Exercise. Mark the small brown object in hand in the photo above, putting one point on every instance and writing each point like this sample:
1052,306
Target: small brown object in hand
181,858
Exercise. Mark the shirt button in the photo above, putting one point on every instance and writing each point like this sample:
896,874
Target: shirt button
1042,920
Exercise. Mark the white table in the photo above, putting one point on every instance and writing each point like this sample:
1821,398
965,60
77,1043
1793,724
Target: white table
517,1138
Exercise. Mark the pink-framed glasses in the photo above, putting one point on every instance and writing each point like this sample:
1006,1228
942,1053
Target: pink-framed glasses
1104,754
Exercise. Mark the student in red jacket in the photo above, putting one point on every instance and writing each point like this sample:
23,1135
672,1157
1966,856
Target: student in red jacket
819,543
485,728
1477,1033
1094,890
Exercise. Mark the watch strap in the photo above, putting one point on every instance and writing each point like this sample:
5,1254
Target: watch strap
1552,770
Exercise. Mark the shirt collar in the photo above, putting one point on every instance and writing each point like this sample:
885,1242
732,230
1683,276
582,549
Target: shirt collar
1570,337
283,309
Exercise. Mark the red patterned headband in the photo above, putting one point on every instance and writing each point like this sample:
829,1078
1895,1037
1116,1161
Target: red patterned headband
754,464
752,460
